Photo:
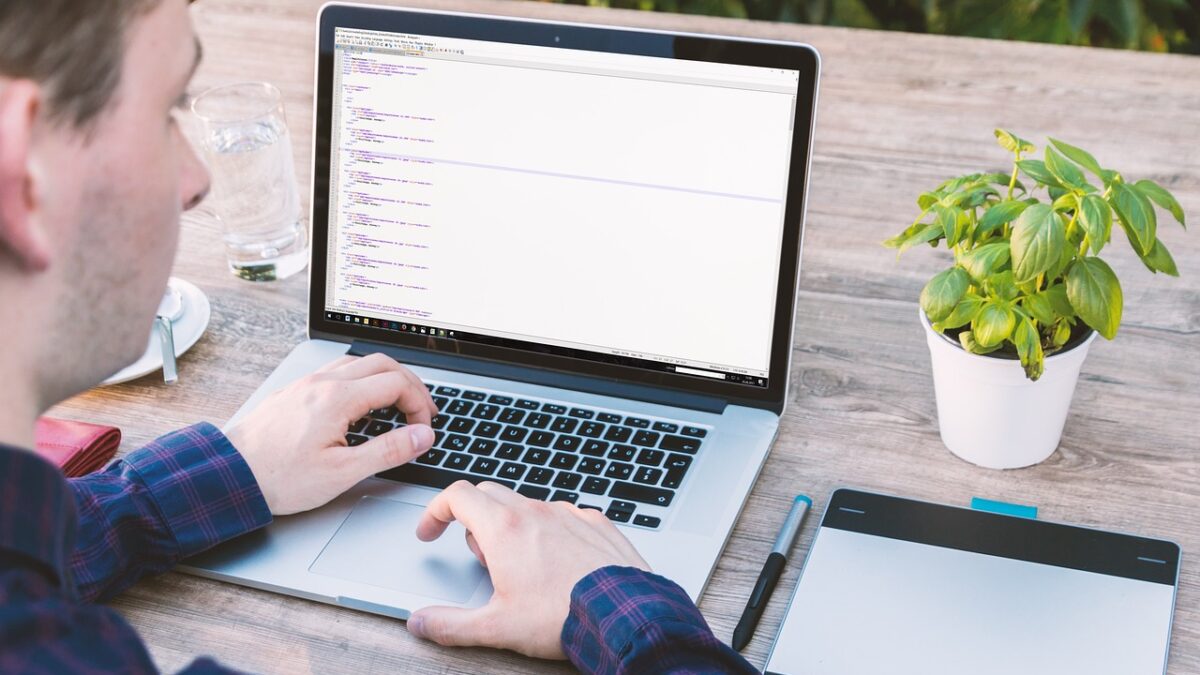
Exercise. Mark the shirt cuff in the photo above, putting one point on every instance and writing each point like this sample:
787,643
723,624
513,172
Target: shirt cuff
612,607
204,490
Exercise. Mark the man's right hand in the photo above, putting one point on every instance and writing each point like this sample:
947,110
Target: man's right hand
535,551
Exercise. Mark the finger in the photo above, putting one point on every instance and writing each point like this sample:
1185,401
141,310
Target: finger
396,447
502,494
385,389
336,363
462,502
598,524
474,546
364,366
455,627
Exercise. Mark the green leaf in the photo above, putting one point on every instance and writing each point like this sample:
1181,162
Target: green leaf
981,262
1039,306
1067,202
1067,173
1038,238
1062,333
926,234
1159,259
967,340
1002,285
1095,216
1013,143
1000,214
926,200
1036,169
1161,197
1002,179
1029,348
993,324
1057,295
1137,216
1095,294
1079,156
963,313
947,217
943,292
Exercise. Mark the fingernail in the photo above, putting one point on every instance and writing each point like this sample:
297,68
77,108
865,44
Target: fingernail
414,625
421,436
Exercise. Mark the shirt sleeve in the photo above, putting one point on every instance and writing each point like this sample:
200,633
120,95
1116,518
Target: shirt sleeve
179,495
625,620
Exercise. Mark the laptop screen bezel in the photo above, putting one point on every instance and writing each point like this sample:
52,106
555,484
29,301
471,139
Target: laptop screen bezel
592,38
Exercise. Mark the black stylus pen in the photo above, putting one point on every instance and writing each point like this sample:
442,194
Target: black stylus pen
771,572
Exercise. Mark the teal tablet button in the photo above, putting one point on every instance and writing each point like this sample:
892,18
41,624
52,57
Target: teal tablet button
1004,508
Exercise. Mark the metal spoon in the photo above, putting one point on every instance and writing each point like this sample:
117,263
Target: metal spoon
170,308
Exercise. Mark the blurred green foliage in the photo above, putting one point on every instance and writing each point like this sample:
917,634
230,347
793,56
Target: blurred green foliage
1152,25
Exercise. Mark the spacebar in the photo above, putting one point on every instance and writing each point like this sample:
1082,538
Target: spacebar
431,476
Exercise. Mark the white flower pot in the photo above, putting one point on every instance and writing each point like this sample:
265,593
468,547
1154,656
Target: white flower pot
989,413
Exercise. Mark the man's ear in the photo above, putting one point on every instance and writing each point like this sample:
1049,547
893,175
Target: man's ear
21,235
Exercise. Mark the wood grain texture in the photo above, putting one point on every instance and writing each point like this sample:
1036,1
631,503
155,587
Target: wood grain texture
897,114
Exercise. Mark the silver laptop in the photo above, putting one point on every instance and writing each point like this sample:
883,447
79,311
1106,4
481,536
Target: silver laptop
586,242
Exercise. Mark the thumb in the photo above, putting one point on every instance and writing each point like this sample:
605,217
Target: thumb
453,626
396,447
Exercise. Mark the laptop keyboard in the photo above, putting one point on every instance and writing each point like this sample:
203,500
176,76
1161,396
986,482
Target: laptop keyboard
593,458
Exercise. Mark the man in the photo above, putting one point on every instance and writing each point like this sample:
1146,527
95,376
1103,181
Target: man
93,175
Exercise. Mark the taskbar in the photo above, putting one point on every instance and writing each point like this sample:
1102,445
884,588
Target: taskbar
478,338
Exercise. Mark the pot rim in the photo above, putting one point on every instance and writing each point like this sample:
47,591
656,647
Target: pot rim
1080,341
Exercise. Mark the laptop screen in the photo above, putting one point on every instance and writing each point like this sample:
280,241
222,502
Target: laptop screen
613,207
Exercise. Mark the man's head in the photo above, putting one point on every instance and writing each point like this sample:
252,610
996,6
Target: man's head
94,173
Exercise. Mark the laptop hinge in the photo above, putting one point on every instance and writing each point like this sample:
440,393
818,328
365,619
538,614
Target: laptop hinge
543,376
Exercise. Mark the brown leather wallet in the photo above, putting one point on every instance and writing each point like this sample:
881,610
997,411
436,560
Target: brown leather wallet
78,448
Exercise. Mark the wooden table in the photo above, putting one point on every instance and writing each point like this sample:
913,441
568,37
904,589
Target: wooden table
898,113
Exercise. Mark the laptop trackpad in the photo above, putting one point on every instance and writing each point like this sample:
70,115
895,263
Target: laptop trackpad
377,544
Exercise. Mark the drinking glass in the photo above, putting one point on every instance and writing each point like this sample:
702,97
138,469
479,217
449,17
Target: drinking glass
254,193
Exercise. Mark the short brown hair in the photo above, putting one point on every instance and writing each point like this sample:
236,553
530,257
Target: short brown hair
73,48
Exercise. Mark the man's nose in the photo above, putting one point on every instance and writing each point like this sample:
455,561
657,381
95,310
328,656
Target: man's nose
194,179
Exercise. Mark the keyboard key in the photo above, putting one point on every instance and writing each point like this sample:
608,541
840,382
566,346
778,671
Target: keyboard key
564,425
487,429
623,506
484,465
456,442
447,391
500,400
459,407
377,428
387,414
646,521
526,404
596,486
358,426
591,466
485,411
512,416
618,434
537,421
440,402
457,461
591,429
618,515
641,493
582,414
482,446
429,386
568,443
647,475
609,418
646,438
461,425
637,422
534,492
594,448
622,453
680,444
539,476
619,470
696,432
565,480
535,456
511,471
667,427
355,439
553,409
590,506
677,466
435,477
432,457
564,460
509,451
440,421
540,439
650,457
514,434
564,496
474,395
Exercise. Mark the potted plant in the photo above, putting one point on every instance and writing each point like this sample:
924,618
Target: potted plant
1009,323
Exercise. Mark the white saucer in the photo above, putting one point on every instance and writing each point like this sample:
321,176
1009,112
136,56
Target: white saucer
187,328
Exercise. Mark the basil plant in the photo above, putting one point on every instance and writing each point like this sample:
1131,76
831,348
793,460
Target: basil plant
1026,268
